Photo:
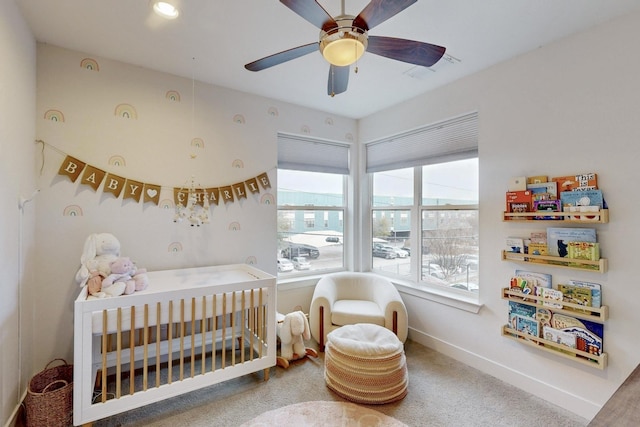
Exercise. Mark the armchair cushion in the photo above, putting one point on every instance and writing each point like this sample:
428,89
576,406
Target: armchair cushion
348,298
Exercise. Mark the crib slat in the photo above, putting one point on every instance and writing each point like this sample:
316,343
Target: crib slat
213,332
224,331
193,337
132,344
170,341
145,359
104,356
203,334
182,334
119,354
233,329
158,339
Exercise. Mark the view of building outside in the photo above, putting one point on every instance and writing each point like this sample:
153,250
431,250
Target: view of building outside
448,233
311,207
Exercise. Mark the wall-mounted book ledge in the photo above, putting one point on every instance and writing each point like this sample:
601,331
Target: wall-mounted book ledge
599,217
548,260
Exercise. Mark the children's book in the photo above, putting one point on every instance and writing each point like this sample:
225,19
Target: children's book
527,325
518,200
515,244
548,188
559,337
595,288
584,250
558,239
589,335
537,179
547,206
585,181
576,295
582,198
542,280
539,237
552,297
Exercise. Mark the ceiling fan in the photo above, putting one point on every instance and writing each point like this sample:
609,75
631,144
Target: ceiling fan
344,38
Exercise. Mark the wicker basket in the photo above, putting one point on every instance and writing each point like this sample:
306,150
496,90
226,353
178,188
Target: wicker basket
49,400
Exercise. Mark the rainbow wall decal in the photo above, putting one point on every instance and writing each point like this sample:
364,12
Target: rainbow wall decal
305,129
273,112
54,116
251,260
197,143
126,111
173,95
90,64
234,226
267,199
237,163
166,204
72,210
117,161
349,137
238,118
328,121
175,247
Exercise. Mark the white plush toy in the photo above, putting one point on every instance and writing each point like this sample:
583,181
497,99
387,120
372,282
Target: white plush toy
293,329
100,250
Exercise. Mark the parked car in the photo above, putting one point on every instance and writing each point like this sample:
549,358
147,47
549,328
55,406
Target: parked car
284,265
401,253
300,263
433,270
407,250
332,239
300,250
384,252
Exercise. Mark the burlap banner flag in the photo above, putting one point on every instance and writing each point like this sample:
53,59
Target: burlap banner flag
252,185
226,194
151,194
213,196
263,178
72,168
133,190
92,177
240,190
114,184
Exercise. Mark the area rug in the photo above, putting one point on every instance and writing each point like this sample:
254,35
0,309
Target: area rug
323,414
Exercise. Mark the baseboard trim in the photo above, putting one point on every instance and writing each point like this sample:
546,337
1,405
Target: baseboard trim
16,417
552,394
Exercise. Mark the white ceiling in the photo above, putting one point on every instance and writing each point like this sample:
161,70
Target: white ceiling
213,39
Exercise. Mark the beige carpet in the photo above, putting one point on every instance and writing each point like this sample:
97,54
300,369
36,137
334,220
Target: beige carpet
324,414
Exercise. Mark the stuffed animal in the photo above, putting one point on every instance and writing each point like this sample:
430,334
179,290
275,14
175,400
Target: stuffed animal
141,279
100,249
293,329
94,284
120,281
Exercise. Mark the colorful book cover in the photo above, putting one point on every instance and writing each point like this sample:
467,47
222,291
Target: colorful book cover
548,188
515,244
518,197
537,179
552,297
542,280
589,335
585,181
547,206
584,250
558,239
539,237
527,325
576,295
559,337
582,198
595,288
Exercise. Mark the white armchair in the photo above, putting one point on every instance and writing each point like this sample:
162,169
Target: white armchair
348,298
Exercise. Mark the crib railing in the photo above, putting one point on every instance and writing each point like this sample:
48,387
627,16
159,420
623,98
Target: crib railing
144,348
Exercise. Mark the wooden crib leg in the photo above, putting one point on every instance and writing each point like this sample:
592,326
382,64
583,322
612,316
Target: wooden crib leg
266,374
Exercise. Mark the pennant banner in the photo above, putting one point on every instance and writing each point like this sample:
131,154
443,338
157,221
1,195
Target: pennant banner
150,193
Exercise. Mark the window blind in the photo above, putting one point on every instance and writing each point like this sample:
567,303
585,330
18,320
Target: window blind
312,155
449,140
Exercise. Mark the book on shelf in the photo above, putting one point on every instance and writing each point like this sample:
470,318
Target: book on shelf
537,179
539,237
528,326
514,245
518,200
583,250
517,183
543,190
582,198
576,295
522,318
559,237
547,206
589,335
551,297
595,288
542,280
580,182
559,336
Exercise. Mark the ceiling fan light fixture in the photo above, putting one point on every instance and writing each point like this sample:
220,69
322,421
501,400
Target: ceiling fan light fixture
165,9
343,46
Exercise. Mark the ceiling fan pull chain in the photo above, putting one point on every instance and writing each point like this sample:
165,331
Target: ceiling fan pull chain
333,77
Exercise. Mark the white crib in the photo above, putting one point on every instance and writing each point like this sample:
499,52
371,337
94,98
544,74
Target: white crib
191,328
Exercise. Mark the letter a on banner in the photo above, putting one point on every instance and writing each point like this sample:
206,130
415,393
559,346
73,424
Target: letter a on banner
92,177
72,168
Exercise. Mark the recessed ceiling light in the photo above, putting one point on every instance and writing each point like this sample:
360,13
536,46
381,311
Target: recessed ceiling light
165,9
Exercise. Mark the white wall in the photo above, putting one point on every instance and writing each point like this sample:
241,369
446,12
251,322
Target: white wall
567,108
17,178
239,135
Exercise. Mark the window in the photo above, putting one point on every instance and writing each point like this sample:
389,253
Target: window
312,176
425,213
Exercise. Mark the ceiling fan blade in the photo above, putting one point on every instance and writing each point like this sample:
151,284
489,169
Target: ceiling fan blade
378,11
338,80
410,51
312,12
280,57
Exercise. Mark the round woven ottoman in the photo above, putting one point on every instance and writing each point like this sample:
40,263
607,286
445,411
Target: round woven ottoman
365,363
